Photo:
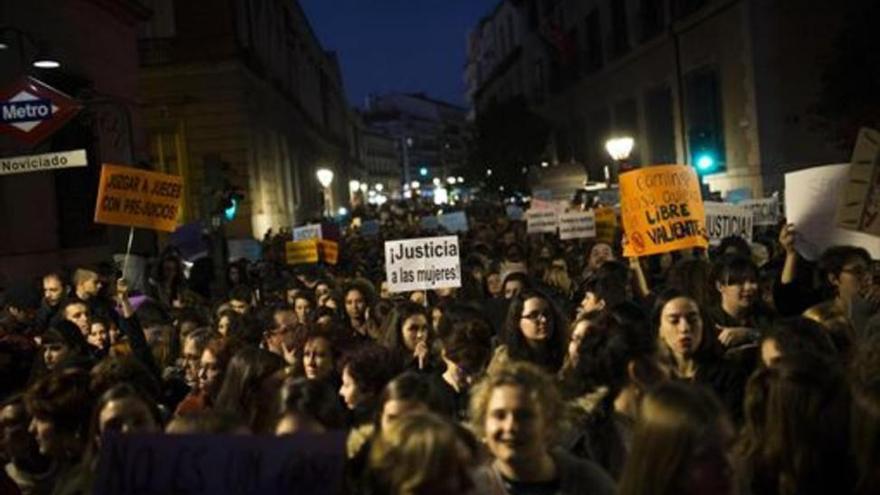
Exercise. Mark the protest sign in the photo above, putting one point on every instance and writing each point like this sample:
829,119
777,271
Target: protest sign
736,196
609,197
329,251
43,162
248,249
577,225
662,210
429,223
725,220
305,232
514,212
424,263
859,206
301,252
370,228
606,224
138,198
764,211
189,240
539,221
454,222
808,194
221,464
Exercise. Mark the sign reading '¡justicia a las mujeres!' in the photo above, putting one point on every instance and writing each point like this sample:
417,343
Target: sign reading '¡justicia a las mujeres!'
423,263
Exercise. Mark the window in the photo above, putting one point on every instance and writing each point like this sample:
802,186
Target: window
619,30
660,125
704,115
682,8
651,16
593,46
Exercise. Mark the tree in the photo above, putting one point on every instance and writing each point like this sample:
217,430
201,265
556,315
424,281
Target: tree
508,137
850,93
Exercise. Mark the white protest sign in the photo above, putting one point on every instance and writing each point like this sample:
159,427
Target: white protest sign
422,264
541,221
809,198
43,162
764,211
306,232
725,220
577,225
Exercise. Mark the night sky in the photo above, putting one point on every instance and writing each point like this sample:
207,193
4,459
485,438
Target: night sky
398,45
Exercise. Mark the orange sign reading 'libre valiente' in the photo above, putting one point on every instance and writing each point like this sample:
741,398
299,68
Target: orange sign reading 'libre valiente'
138,198
662,210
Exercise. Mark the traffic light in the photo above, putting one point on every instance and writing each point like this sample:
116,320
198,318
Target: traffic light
707,151
227,201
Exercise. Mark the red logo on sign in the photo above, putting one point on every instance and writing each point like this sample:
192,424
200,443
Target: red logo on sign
30,110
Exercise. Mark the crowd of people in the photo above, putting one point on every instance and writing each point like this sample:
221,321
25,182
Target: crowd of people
558,367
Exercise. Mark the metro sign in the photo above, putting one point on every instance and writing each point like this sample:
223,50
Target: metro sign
30,110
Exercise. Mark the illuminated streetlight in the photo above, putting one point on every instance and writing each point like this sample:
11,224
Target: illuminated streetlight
619,148
544,164
379,187
415,184
460,179
325,176
354,185
450,180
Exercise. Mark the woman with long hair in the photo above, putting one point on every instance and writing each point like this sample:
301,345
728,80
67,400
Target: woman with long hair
534,331
680,445
796,439
408,334
243,383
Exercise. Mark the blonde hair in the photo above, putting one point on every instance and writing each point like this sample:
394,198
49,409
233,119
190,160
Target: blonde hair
538,385
417,454
82,275
557,277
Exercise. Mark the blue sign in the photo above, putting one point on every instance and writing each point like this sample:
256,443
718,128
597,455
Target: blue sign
370,228
454,222
188,239
25,111
221,464
429,223
514,212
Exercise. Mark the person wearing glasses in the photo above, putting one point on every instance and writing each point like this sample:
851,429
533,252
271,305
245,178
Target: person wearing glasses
534,331
851,296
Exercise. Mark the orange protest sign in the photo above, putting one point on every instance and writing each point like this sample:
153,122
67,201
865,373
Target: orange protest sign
606,224
138,198
300,252
662,210
329,251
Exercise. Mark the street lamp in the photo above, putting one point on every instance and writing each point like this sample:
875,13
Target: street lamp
619,149
325,177
41,60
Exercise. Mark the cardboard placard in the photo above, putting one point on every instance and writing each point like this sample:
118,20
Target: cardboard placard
138,198
514,212
329,251
725,220
221,464
577,225
808,194
422,264
249,249
662,210
606,225
540,221
859,205
369,228
306,232
301,252
764,211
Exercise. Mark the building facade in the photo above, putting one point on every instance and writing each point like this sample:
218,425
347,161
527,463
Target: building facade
728,84
252,100
382,162
47,217
431,135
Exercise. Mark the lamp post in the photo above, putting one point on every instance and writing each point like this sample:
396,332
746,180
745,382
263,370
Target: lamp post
619,149
41,58
325,177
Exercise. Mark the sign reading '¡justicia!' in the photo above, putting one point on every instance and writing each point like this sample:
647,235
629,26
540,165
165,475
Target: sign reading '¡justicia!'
662,210
422,264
